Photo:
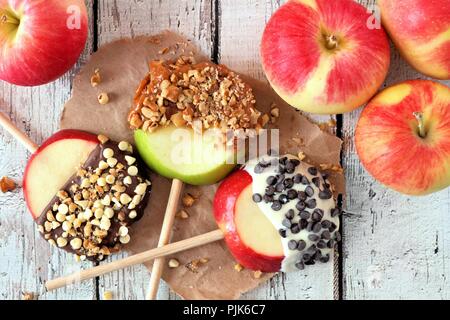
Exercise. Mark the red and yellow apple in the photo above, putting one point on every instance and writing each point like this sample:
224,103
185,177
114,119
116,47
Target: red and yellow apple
322,56
420,29
250,236
40,40
52,165
403,137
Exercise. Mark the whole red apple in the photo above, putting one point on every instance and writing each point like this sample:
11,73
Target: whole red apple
420,30
403,137
323,56
40,40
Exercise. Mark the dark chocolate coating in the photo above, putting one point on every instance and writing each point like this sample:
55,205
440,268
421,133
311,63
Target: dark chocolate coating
111,240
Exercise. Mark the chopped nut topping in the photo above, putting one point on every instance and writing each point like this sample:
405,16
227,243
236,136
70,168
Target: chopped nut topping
103,98
28,296
188,200
238,267
257,274
107,295
301,155
103,139
96,78
181,92
174,263
7,184
182,214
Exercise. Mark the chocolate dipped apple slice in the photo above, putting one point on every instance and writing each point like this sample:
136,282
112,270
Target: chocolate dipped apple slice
85,191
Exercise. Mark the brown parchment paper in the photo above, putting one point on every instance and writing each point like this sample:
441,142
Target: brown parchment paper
122,65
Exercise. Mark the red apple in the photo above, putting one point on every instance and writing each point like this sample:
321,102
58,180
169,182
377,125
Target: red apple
40,40
420,29
403,137
52,165
250,236
322,56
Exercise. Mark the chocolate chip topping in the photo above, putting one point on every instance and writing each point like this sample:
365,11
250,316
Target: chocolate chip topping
91,213
281,188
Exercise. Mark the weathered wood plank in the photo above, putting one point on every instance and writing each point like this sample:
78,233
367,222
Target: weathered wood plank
240,30
26,259
397,247
123,18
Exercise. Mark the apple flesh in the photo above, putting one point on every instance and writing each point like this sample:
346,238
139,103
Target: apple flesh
40,40
174,153
321,56
420,29
52,165
403,137
251,238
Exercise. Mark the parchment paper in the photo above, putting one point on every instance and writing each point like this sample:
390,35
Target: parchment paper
122,65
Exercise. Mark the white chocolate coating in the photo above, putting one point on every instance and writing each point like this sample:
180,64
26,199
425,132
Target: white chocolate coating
276,217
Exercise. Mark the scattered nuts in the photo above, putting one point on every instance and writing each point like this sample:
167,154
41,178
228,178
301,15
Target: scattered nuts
96,79
103,98
257,274
174,263
103,139
238,267
28,296
7,184
188,200
182,214
107,295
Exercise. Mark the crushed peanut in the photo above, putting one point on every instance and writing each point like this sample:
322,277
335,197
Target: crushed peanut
182,92
103,98
301,155
7,184
188,200
173,263
107,295
238,267
28,296
257,274
96,79
182,214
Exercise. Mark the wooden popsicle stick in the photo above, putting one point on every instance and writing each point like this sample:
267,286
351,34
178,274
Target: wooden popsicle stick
135,259
164,238
16,133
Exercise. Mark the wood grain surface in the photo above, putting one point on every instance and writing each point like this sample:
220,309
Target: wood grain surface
394,246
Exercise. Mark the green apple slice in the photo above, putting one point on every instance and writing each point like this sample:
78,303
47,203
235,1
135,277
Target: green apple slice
178,153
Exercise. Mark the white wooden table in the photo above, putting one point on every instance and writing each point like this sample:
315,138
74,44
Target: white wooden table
395,247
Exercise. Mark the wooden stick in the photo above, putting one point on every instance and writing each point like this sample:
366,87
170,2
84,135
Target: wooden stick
16,133
135,259
164,238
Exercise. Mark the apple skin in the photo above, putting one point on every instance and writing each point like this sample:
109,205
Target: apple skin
156,160
60,135
224,205
420,29
305,68
388,142
44,47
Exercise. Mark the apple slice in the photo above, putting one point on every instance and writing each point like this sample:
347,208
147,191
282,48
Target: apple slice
52,166
250,236
175,153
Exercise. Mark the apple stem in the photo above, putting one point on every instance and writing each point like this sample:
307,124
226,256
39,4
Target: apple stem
331,42
419,118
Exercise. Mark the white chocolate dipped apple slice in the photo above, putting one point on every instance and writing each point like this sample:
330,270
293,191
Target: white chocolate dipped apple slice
278,214
84,192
